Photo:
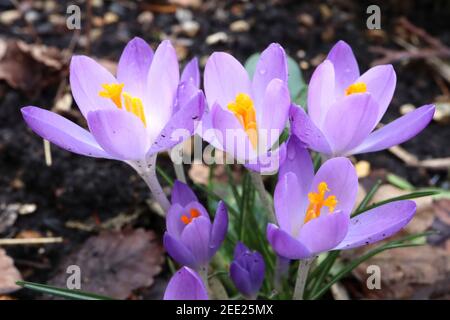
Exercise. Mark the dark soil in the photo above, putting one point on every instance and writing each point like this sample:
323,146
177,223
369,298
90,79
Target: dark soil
78,188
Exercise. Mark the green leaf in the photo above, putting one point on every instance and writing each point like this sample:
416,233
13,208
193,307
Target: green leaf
295,80
59,292
399,182
368,197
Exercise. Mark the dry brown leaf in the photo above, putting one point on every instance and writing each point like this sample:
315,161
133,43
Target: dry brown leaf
30,67
9,275
115,263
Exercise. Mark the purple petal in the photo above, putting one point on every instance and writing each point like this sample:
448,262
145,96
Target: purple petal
257,271
224,78
196,237
174,224
231,135
321,92
398,131
162,86
380,81
377,224
133,67
273,115
86,79
179,252
182,194
345,66
290,201
299,162
239,250
271,65
186,284
191,73
325,232
120,133
304,128
62,132
340,176
181,125
268,163
241,279
219,228
349,121
285,245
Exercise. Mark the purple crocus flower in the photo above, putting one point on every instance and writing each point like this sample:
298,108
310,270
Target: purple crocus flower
344,108
247,271
132,116
186,284
247,116
191,239
313,211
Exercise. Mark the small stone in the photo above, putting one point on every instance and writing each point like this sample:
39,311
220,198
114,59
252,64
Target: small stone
183,15
301,54
97,3
27,208
57,20
32,16
317,59
216,38
442,113
110,18
240,26
191,28
8,17
64,103
325,11
407,108
304,65
305,19
362,168
145,18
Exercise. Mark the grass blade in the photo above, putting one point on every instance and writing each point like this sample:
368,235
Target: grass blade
59,292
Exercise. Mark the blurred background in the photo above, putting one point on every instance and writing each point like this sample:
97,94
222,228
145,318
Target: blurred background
91,212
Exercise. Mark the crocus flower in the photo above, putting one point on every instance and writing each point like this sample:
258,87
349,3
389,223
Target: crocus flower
246,116
313,211
247,271
191,239
132,116
344,108
186,284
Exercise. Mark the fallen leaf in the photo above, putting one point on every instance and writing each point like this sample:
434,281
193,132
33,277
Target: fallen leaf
115,263
9,275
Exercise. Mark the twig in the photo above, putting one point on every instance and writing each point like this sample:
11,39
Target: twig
10,242
47,153
413,161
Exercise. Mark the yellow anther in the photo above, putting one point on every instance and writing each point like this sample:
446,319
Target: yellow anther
357,87
317,201
244,111
135,106
194,213
112,91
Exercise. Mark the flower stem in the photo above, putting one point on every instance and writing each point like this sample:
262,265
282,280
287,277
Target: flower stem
263,196
302,275
147,170
281,269
179,172
203,272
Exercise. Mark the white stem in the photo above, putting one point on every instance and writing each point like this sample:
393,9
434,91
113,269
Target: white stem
302,275
179,172
147,170
203,272
263,196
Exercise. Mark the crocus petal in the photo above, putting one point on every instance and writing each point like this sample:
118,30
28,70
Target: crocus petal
239,250
271,65
219,228
257,271
290,202
304,128
299,162
325,232
162,84
186,284
268,163
345,66
224,77
380,81
398,131
231,135
86,79
62,132
191,73
174,224
285,245
196,237
179,252
120,133
273,115
182,194
241,279
181,125
349,121
377,224
133,67
340,176
320,92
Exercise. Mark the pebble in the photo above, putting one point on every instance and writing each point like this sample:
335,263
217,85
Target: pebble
407,108
191,28
240,26
110,18
216,38
305,19
9,16
362,168
145,18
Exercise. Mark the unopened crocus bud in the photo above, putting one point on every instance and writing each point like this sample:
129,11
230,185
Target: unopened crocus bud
186,284
247,271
